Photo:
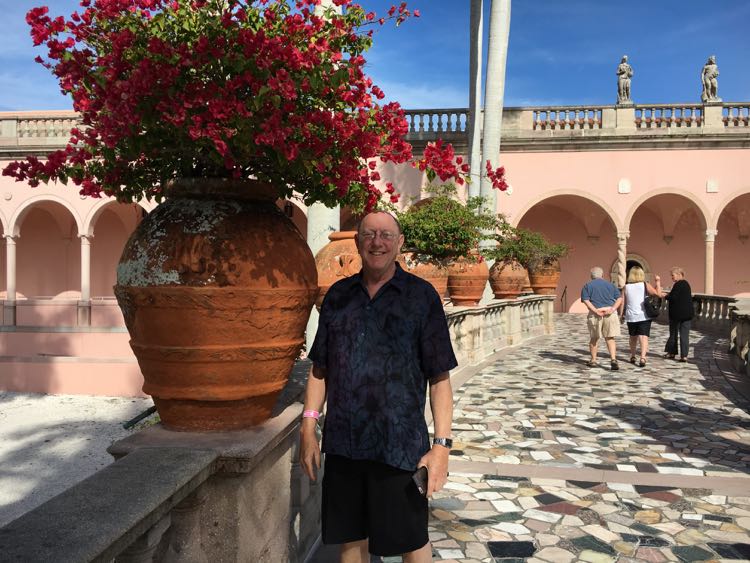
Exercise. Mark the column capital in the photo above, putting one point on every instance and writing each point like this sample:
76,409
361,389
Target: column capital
11,239
85,238
711,235
623,235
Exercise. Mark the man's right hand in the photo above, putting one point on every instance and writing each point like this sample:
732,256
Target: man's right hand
309,449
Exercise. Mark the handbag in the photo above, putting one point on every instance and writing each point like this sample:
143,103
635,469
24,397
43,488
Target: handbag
651,303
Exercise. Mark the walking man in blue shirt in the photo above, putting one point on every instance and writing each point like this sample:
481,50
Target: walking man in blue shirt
382,337
603,300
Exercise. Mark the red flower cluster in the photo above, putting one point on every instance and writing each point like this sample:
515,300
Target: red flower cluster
441,161
221,88
497,177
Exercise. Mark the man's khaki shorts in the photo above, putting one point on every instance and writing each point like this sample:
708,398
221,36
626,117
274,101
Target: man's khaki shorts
607,327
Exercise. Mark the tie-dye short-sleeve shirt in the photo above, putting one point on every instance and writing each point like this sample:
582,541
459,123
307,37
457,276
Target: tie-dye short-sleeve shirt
378,355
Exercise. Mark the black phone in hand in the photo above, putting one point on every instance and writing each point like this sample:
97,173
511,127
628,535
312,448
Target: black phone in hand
420,480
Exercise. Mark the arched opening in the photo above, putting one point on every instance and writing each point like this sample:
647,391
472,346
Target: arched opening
732,249
112,227
632,260
589,231
48,252
669,230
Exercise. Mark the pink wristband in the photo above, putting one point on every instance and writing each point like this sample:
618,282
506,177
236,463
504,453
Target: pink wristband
311,414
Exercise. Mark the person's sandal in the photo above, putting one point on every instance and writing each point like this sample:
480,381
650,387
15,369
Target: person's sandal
642,362
632,360
683,360
592,364
614,366
668,356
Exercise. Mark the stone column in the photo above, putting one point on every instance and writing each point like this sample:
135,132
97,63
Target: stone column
185,536
9,307
474,125
84,305
622,254
144,548
321,221
709,280
494,93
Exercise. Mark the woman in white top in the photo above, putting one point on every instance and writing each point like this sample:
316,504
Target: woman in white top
639,324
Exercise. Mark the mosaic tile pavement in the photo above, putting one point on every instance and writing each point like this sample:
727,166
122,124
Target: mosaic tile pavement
539,408
557,462
489,518
542,405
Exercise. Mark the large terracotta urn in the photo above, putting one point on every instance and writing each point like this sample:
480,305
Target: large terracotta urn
508,278
216,287
467,278
336,260
428,269
544,278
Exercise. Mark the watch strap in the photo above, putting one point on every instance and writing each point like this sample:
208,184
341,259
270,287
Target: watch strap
445,442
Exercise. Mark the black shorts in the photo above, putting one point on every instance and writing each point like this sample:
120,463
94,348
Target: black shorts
367,499
640,328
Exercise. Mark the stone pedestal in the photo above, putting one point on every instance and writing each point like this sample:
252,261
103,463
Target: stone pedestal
9,313
624,118
84,313
713,116
256,506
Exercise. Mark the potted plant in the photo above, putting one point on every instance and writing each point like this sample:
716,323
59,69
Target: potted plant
443,234
543,262
217,108
508,276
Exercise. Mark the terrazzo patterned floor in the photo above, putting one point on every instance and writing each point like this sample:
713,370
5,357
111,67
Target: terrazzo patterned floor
554,461
491,518
542,405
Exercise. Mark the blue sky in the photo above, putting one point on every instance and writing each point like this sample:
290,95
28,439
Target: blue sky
561,52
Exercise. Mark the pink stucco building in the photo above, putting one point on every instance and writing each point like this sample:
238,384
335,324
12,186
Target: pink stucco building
661,185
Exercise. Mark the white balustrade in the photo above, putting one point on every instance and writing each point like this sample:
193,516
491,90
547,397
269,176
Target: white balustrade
439,121
667,116
562,118
712,311
736,115
53,127
450,123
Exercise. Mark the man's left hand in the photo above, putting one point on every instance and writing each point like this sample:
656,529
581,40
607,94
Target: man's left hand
436,461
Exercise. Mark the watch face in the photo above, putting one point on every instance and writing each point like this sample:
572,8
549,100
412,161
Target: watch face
447,442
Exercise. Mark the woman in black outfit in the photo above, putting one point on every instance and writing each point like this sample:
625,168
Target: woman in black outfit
680,309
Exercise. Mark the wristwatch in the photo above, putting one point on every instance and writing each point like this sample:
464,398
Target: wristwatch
446,442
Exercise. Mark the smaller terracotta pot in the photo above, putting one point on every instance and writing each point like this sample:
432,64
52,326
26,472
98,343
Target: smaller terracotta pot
508,279
544,279
427,269
336,260
466,281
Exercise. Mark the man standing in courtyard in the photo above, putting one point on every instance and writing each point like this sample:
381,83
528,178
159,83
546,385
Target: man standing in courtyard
382,337
603,300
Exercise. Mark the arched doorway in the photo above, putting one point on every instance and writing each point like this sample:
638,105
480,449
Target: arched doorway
48,252
633,260
669,229
587,228
731,265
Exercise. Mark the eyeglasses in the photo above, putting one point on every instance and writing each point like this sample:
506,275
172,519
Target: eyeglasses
387,236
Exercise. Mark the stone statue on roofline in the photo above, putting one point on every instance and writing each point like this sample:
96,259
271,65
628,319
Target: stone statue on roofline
710,80
624,74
